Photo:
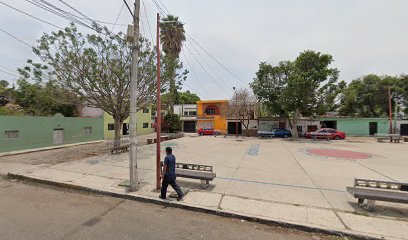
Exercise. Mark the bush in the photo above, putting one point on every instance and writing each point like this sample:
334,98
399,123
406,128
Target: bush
171,123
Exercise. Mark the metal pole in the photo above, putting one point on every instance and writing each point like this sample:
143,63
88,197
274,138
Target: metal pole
133,174
396,115
390,108
158,118
236,113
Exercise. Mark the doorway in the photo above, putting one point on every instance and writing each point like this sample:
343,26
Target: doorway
189,126
404,129
232,128
373,128
58,136
329,124
125,129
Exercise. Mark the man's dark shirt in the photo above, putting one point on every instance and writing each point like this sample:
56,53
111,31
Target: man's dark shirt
170,162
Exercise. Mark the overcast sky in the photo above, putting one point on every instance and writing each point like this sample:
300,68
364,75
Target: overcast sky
364,36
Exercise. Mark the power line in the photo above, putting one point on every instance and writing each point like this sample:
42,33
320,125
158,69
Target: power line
217,61
194,73
117,17
11,74
127,5
209,54
18,10
216,82
147,20
16,38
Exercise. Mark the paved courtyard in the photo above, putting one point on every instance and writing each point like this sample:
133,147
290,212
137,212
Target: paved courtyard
300,182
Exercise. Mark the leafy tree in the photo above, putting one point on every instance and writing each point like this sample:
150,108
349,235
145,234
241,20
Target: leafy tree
171,123
243,106
186,97
3,90
172,36
368,96
97,68
297,88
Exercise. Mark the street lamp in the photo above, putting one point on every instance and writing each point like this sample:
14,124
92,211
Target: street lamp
236,113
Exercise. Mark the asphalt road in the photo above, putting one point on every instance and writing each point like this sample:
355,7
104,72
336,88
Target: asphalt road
32,211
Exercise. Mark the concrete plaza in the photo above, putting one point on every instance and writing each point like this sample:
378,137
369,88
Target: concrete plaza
271,179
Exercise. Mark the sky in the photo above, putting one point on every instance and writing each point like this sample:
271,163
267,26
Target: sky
363,36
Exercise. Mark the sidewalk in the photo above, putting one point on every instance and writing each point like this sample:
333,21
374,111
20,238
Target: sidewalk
231,196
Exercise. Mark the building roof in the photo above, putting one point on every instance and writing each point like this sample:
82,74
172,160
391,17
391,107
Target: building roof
211,101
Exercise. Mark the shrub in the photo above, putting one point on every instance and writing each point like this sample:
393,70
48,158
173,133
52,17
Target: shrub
171,123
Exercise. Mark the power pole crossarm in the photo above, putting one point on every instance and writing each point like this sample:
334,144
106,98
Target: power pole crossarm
133,174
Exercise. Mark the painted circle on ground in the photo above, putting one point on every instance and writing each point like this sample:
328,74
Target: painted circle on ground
336,153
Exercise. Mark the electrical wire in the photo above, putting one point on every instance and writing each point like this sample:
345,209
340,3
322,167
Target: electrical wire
16,38
117,17
147,20
130,10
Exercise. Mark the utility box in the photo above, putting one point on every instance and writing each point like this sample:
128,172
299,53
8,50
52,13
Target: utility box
130,33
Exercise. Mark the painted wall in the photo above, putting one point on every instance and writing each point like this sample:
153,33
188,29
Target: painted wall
140,118
34,132
359,126
217,121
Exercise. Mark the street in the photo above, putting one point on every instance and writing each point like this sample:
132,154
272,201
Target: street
31,211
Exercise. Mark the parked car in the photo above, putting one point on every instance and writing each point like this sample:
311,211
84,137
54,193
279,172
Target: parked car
208,131
327,133
276,132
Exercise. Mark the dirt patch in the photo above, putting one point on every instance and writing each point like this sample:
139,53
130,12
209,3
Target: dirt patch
60,155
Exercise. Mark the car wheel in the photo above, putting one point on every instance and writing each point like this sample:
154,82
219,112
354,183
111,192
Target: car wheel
337,138
285,136
201,134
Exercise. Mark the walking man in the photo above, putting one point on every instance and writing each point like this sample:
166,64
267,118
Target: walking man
169,175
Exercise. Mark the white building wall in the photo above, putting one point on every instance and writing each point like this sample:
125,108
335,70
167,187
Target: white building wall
182,108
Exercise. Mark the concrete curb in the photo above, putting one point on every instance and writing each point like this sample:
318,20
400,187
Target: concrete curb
41,149
224,213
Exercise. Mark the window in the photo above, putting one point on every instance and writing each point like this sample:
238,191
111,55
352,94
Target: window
11,134
87,130
185,113
299,129
145,125
193,113
145,110
111,127
210,111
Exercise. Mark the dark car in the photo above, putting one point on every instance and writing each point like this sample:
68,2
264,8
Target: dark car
326,133
276,132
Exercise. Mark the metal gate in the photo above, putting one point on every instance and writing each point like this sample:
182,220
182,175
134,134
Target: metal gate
404,129
58,136
189,126
232,128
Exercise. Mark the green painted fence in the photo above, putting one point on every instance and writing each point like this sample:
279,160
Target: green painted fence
25,132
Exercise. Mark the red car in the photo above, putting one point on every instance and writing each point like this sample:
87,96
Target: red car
326,133
207,131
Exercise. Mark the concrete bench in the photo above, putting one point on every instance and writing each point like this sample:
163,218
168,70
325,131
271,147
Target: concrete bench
405,139
151,140
396,138
195,171
120,149
372,190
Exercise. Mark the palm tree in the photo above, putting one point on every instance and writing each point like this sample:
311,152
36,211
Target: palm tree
172,36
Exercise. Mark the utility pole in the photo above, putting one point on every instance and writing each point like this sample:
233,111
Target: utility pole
158,118
133,174
390,108
236,113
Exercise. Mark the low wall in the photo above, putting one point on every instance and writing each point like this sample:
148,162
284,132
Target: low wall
25,132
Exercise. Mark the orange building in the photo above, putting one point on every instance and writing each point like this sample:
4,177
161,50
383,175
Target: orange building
212,114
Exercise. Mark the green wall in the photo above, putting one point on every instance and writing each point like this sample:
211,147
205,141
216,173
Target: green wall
359,126
36,132
140,118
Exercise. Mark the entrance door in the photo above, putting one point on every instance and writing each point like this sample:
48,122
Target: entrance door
232,128
58,136
404,129
189,126
373,128
125,129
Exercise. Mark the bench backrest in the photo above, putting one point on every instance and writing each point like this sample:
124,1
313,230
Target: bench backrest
392,185
196,167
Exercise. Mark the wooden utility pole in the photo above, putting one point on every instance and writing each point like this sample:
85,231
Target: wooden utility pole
133,174
158,118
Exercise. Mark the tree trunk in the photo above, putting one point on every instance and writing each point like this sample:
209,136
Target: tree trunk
294,127
118,127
